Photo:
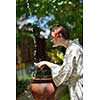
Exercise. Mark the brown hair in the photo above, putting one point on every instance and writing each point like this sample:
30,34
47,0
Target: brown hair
64,31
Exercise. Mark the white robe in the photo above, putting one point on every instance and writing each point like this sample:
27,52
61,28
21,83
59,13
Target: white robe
70,72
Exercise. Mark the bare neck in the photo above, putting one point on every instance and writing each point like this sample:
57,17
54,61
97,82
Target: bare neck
65,43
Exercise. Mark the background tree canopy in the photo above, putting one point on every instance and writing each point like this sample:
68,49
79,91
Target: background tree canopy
66,12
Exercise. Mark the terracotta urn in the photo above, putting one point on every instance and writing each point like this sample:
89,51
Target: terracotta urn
43,88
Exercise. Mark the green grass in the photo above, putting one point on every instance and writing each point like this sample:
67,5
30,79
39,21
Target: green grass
66,97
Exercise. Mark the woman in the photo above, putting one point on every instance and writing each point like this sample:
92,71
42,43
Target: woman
69,74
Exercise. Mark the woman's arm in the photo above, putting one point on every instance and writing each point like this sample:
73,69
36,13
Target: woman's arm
42,63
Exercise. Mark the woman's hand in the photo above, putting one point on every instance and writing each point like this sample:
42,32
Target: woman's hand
43,63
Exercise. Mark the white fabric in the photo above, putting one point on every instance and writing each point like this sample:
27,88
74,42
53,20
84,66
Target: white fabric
70,72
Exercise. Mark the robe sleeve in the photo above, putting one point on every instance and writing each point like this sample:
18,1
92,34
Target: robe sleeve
64,72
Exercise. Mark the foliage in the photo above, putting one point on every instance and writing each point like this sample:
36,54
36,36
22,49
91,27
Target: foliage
21,86
56,56
66,12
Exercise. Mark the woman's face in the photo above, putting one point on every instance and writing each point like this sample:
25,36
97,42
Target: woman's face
56,38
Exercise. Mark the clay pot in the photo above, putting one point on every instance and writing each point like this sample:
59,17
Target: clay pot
43,89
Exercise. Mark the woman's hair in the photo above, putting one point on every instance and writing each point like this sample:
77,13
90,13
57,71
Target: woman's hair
63,30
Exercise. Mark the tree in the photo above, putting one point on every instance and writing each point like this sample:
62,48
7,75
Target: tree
66,12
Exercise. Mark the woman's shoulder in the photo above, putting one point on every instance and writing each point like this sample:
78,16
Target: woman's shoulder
74,44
